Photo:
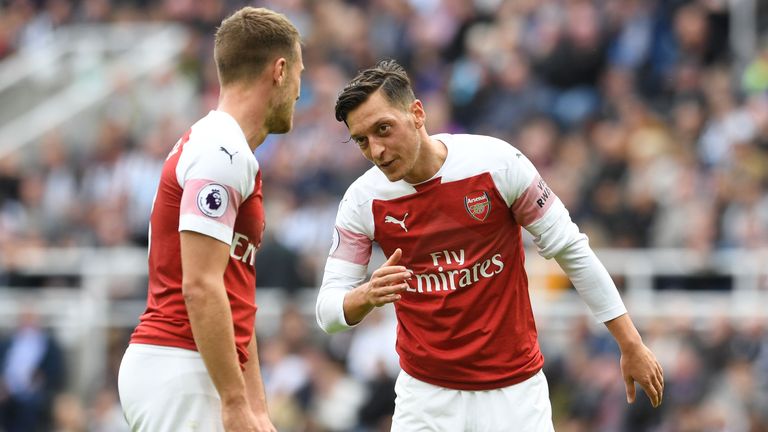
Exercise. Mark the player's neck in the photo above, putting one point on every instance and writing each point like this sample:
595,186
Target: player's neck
238,103
431,158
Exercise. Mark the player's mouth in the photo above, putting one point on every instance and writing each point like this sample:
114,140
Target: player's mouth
386,164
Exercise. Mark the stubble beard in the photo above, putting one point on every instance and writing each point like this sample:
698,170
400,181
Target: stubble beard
281,120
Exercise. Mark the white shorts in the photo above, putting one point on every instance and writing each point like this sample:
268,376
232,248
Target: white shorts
422,407
165,389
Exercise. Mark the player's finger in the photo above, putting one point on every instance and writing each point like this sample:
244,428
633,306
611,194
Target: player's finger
660,372
629,383
650,390
660,379
381,272
659,386
391,289
394,258
393,297
392,278
387,298
386,290
394,289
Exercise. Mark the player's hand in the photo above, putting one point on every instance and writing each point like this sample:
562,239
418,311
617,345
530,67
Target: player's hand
239,417
638,364
388,281
264,424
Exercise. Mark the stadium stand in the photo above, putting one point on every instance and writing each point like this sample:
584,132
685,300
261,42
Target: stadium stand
648,118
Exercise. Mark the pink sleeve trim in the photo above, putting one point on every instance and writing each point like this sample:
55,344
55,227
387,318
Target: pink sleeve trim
210,200
352,247
533,203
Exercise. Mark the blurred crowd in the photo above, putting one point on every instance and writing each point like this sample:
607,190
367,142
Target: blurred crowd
638,113
716,378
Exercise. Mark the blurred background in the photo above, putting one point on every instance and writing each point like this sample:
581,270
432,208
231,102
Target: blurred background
649,119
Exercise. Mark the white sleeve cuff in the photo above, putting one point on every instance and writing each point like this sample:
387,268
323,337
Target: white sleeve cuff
211,228
340,277
330,310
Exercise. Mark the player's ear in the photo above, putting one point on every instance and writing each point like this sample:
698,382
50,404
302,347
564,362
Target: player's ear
279,70
418,113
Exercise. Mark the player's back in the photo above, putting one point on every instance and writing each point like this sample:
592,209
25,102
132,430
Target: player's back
211,184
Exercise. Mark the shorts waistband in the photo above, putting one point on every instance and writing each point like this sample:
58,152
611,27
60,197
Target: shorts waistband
161,350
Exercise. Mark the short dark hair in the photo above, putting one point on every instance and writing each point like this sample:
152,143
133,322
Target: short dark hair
388,76
248,39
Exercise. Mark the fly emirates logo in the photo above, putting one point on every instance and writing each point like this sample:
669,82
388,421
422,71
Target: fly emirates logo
242,249
447,280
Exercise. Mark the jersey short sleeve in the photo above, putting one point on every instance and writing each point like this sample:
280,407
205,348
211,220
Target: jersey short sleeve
533,204
347,263
535,207
216,173
353,233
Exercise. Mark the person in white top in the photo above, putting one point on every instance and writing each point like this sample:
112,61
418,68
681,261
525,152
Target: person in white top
448,211
192,364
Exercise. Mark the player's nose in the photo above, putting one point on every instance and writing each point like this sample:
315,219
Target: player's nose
377,149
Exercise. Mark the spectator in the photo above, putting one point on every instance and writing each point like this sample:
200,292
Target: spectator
648,130
33,374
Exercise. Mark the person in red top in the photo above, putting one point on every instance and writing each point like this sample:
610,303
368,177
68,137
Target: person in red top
448,211
192,362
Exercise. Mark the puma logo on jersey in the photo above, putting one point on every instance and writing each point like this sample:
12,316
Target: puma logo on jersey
231,155
390,219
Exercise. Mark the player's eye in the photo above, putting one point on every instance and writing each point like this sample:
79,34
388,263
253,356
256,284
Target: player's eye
384,129
360,141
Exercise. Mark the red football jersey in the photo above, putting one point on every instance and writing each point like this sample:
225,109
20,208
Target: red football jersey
465,322
210,184
468,300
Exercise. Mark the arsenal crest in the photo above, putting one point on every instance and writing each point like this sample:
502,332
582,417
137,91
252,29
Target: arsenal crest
478,205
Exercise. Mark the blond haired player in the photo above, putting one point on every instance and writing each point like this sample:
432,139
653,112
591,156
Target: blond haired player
192,364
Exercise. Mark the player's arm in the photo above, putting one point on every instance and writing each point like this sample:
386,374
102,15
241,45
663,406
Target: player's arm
571,250
254,386
638,364
345,298
539,210
204,260
596,288
385,286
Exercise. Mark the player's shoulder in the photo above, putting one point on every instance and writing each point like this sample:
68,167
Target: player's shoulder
374,185
467,141
480,147
218,132
218,150
474,154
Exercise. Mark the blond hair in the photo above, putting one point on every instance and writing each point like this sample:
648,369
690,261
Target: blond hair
249,39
